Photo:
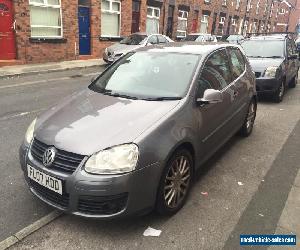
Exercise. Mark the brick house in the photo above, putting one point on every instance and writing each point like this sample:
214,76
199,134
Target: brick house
34,31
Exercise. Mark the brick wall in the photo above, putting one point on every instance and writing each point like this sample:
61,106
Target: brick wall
36,51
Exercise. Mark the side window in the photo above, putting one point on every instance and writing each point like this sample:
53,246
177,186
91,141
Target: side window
215,74
152,39
237,62
161,39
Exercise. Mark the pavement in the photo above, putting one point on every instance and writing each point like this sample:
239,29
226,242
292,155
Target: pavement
252,183
18,70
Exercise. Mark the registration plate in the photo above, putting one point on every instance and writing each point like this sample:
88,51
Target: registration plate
44,179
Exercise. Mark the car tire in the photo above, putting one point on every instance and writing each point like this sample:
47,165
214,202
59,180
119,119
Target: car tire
175,183
294,81
248,124
278,95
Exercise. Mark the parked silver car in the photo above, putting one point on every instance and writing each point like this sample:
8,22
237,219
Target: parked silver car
132,42
199,37
133,140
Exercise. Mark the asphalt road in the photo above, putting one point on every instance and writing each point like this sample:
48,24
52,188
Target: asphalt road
21,100
206,222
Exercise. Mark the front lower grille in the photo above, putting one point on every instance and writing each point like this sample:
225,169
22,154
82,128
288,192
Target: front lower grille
53,197
102,205
64,161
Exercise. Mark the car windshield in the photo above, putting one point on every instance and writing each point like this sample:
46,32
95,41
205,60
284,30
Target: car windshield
190,38
133,39
263,48
147,75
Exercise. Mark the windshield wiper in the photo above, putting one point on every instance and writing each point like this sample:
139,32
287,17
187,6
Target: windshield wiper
115,94
163,98
273,57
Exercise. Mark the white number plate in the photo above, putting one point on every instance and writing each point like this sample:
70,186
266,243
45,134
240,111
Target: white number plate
44,179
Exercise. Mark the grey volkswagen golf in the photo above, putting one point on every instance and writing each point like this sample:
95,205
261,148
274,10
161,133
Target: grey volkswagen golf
132,141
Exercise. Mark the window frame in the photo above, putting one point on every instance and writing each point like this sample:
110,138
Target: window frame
182,18
231,65
46,5
111,11
221,88
237,4
204,19
152,16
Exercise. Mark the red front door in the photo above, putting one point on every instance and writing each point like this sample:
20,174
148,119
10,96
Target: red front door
7,35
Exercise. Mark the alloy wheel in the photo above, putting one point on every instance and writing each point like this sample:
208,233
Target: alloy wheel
177,181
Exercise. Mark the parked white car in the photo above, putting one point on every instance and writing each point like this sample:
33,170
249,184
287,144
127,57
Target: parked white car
200,37
132,42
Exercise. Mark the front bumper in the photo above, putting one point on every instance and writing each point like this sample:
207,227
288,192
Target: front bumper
267,85
97,196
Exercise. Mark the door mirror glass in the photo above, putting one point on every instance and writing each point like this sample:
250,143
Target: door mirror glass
211,96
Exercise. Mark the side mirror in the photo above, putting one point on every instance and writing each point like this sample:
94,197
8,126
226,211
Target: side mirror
210,96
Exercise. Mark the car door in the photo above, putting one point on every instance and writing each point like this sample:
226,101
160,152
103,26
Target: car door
292,62
240,82
215,120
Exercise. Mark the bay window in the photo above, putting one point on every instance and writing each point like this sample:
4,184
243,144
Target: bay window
110,18
182,23
152,23
45,18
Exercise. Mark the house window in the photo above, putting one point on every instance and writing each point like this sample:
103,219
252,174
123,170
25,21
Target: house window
182,23
110,18
281,11
257,7
233,23
249,5
254,27
245,27
237,6
45,18
224,2
221,25
152,23
204,24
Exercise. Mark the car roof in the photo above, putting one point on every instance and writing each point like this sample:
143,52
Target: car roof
269,37
197,48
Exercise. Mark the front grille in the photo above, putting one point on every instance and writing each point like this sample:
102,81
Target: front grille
55,198
102,205
257,74
64,161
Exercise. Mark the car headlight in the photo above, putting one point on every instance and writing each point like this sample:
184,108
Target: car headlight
115,160
271,71
29,132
